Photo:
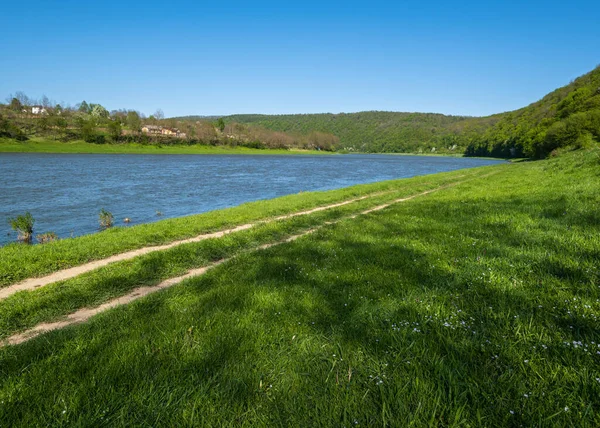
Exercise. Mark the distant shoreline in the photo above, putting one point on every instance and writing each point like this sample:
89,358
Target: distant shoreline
38,145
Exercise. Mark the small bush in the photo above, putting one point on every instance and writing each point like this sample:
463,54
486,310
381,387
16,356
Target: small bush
105,218
254,145
46,237
585,141
23,224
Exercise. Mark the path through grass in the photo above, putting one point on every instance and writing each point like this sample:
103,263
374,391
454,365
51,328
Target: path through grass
18,261
474,306
22,310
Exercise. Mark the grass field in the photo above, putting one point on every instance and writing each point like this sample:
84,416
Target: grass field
475,305
42,145
21,261
45,145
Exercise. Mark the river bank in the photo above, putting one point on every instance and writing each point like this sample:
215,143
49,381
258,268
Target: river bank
41,145
483,281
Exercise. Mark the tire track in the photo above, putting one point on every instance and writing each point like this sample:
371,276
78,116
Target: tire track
61,275
85,314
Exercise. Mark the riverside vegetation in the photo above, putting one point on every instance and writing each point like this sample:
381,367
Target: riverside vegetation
566,117
476,304
55,128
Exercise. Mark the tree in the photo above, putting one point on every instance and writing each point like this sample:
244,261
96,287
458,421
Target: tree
45,101
9,129
98,111
23,99
322,141
84,107
43,123
221,124
133,121
87,128
119,115
159,115
61,125
15,105
205,132
114,129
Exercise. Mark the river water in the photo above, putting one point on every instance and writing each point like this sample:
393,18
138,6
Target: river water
65,192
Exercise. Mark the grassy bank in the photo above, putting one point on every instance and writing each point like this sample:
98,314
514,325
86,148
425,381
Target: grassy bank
19,261
475,305
24,310
41,145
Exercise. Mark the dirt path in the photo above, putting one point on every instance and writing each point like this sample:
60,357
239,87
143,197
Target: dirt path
84,314
33,283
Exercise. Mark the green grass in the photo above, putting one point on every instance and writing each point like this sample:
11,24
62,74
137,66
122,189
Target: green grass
476,305
44,145
25,309
19,261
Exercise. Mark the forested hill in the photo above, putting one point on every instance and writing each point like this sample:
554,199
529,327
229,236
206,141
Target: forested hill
371,131
376,131
568,116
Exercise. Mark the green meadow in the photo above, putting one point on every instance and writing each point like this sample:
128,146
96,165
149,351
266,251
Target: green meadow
474,305
18,262
46,145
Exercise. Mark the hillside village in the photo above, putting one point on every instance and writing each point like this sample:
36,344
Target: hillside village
23,118
161,130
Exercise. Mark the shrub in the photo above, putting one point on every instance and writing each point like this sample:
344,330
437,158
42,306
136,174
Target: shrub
105,218
585,141
87,129
46,237
9,129
23,224
254,145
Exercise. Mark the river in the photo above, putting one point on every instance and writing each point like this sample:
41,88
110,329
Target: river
65,192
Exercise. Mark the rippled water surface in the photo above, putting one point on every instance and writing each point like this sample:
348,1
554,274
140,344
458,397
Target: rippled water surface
65,192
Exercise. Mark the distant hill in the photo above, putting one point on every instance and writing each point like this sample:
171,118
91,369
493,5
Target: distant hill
210,118
568,116
371,131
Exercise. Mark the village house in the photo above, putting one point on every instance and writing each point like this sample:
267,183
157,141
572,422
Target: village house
160,130
151,129
38,110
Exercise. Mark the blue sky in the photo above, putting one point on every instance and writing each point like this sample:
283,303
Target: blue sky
468,58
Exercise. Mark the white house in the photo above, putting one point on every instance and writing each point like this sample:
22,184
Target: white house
38,110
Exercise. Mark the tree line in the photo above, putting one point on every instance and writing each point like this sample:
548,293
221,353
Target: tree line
93,123
567,117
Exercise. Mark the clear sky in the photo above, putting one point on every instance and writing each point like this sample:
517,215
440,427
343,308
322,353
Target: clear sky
213,58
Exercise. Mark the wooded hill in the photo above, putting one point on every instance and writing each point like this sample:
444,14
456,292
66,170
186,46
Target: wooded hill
568,116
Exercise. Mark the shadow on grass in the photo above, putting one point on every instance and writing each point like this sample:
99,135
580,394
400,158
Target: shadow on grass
399,310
